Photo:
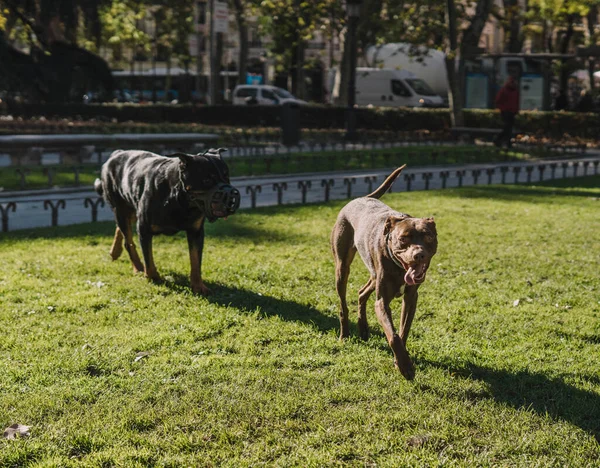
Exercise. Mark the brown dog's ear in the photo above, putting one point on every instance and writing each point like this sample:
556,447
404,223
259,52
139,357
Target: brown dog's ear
390,223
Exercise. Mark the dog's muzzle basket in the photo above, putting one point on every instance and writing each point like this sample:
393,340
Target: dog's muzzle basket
219,202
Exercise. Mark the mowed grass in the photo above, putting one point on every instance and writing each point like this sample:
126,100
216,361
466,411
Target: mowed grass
506,343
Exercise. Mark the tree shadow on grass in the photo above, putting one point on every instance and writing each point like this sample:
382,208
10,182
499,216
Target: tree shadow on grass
537,392
250,302
538,193
230,229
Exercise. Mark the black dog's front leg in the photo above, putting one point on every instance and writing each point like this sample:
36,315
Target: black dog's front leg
196,245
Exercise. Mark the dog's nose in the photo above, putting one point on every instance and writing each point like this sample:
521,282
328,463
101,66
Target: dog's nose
419,256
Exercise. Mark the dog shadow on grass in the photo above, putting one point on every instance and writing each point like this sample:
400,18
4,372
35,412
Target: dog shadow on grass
535,392
250,302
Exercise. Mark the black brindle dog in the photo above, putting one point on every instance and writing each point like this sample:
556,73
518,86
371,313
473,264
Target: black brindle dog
166,194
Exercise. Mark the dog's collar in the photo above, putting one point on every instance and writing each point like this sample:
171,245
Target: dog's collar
392,256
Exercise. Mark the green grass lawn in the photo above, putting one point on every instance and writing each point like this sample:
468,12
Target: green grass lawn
505,341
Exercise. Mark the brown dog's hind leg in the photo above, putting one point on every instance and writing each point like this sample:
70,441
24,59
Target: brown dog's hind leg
363,296
342,244
117,246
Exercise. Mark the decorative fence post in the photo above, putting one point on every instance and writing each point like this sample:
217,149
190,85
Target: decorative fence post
280,187
49,172
327,183
585,165
250,164
529,170
4,210
503,171
552,170
460,174
595,163
268,164
408,178
315,162
426,177
286,163
444,176
304,185
54,207
77,171
23,174
369,180
348,182
476,173
253,190
541,168
490,174
575,167
565,165
517,171
89,202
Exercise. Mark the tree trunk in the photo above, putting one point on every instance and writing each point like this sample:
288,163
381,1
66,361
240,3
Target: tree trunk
298,69
454,92
564,48
455,63
512,12
591,20
240,18
339,94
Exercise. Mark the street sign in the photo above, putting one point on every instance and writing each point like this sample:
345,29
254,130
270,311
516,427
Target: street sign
221,17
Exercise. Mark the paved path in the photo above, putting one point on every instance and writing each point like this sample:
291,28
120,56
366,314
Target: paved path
35,208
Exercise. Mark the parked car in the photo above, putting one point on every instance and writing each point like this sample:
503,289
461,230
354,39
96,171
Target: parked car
264,95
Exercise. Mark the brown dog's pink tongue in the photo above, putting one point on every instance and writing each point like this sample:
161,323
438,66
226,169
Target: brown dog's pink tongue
409,277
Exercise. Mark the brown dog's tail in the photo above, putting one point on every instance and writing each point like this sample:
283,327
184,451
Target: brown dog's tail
387,183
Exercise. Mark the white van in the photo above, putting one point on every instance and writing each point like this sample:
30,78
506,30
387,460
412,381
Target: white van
264,95
393,88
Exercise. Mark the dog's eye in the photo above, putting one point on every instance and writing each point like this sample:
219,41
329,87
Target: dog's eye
188,187
404,239
429,239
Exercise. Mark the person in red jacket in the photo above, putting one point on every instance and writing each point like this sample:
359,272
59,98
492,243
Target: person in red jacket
507,100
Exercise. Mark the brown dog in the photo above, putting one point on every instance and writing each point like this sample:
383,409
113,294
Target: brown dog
397,250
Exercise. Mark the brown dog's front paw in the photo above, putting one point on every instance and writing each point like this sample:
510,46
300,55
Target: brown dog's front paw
154,277
201,289
402,360
363,330
408,371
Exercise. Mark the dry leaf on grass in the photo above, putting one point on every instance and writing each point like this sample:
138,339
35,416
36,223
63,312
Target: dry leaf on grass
141,355
16,430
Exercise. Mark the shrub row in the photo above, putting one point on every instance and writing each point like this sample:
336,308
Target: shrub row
556,124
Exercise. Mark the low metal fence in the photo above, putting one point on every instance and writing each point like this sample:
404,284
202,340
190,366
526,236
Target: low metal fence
321,189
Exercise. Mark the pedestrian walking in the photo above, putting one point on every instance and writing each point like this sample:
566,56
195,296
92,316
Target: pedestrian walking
507,101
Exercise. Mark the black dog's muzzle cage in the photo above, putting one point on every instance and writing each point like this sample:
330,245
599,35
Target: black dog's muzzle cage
223,199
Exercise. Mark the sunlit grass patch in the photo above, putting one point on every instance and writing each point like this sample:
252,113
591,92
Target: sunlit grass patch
110,370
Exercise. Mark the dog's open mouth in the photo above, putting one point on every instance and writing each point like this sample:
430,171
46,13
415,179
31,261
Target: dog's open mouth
415,274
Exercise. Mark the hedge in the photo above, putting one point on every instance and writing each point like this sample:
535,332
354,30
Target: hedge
554,124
